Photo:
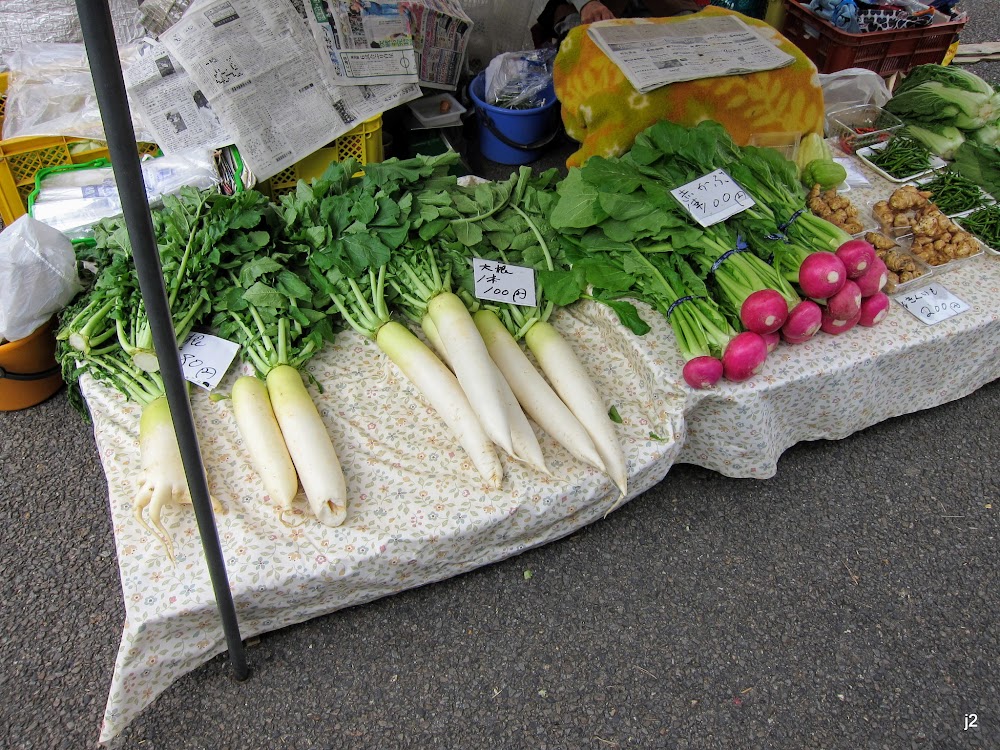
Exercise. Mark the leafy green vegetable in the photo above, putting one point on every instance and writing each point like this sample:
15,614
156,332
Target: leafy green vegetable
937,102
938,138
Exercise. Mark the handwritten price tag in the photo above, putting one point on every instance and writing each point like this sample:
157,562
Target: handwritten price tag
932,303
713,198
206,358
500,282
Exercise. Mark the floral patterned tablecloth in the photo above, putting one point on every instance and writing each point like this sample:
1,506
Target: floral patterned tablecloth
417,515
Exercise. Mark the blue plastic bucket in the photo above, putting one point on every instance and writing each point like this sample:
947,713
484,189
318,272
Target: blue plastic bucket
513,136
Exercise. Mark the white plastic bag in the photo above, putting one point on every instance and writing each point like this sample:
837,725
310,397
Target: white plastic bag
852,87
38,276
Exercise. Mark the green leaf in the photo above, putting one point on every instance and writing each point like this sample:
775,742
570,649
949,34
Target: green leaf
432,229
614,415
264,296
292,286
562,287
629,316
579,204
469,233
257,268
365,251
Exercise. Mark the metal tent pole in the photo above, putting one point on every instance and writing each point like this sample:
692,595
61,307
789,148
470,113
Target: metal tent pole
105,66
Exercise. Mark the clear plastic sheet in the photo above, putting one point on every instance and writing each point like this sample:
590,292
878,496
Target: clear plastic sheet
51,93
72,201
29,21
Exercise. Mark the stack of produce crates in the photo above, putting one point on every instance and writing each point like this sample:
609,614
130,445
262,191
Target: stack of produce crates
22,158
364,143
885,52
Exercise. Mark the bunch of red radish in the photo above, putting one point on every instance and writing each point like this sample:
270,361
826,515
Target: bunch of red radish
843,289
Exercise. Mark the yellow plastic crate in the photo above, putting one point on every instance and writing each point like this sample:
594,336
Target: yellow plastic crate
21,158
364,143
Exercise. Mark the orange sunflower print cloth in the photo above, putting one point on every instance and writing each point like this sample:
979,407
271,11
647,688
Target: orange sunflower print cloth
604,112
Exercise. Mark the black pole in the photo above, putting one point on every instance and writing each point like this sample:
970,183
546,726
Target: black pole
105,66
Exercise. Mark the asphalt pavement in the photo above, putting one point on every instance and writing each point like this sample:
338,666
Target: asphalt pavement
849,602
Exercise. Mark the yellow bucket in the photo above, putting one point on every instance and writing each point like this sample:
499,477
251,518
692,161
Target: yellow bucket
28,370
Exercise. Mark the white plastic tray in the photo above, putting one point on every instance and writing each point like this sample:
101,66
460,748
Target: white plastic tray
427,110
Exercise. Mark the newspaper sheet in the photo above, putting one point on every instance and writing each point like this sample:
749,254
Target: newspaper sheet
367,42
262,73
441,31
170,104
655,54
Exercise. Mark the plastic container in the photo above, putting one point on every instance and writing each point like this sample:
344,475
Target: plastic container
28,370
885,52
364,143
865,153
786,144
866,125
926,271
513,136
428,112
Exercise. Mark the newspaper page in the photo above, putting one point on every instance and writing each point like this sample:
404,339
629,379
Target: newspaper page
655,54
441,31
262,73
367,42
170,104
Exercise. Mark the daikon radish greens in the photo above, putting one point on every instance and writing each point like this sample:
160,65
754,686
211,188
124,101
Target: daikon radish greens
506,223
187,227
348,228
268,307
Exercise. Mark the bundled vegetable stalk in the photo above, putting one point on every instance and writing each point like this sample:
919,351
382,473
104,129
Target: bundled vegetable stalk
264,304
104,333
349,228
511,227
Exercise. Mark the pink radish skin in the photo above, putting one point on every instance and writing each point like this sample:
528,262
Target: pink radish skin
871,281
822,275
702,372
764,311
856,255
874,309
772,340
835,326
846,303
803,322
744,357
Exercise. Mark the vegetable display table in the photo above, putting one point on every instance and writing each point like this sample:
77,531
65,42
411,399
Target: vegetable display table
418,513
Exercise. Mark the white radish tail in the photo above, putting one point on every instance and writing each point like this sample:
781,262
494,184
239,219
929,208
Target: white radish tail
263,440
526,447
569,378
309,445
533,392
440,387
163,479
473,367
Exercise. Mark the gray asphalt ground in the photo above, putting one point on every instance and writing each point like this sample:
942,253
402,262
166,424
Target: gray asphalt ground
849,602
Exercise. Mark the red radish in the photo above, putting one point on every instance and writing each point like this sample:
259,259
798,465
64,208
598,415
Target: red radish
764,311
874,309
803,322
857,255
835,326
744,357
821,275
845,304
702,372
872,280
772,340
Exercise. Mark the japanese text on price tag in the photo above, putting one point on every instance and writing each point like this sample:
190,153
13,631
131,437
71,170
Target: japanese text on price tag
932,303
500,282
206,358
713,198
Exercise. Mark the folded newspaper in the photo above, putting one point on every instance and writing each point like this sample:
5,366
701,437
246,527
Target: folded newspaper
652,55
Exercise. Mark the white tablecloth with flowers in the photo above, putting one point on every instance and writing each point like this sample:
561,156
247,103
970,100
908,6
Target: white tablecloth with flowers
417,513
